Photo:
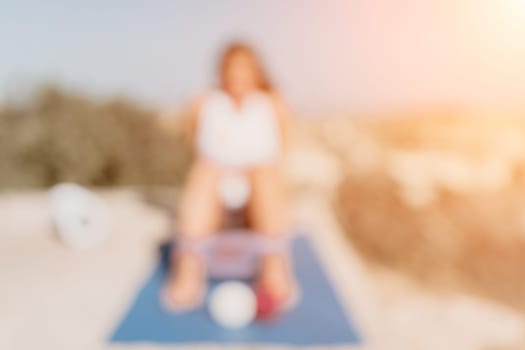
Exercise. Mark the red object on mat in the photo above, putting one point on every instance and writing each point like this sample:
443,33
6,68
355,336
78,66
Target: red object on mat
267,305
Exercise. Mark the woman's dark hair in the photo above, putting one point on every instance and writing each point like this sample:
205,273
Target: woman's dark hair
263,82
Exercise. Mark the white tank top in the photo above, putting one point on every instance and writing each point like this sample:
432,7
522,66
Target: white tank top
241,136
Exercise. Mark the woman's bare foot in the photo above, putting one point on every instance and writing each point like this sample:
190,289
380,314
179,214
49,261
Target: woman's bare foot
185,290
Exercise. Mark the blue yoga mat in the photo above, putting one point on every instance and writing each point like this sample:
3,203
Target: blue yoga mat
318,319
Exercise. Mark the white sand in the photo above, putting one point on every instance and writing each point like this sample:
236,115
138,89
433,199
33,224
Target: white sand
54,298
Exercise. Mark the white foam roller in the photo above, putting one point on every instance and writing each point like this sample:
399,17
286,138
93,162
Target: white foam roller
82,218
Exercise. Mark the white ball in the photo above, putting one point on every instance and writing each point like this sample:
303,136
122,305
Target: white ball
234,190
232,305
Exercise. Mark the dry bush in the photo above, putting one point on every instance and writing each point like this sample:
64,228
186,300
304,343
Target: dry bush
468,237
58,136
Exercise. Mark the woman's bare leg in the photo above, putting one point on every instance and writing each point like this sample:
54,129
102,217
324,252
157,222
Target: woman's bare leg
200,207
269,215
199,216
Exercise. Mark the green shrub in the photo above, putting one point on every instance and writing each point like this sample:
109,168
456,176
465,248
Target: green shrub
60,136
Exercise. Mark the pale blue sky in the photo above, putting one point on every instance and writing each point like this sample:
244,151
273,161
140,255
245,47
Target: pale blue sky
323,54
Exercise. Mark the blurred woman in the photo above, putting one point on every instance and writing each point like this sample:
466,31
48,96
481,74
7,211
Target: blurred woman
239,130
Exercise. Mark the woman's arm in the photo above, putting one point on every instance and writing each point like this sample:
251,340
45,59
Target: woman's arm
193,114
284,118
